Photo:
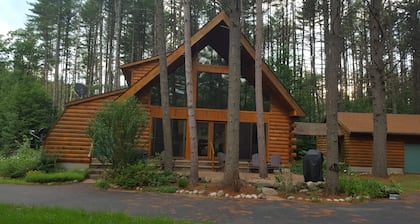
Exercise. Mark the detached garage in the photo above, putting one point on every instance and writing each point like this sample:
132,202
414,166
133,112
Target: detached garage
403,141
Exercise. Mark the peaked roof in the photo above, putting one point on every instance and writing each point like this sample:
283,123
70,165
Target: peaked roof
398,124
215,33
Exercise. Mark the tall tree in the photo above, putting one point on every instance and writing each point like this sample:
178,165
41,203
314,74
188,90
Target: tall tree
333,69
414,21
192,124
231,175
377,76
164,91
118,27
259,92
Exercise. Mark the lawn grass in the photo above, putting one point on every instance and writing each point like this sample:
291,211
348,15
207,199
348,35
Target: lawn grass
408,182
44,215
6,180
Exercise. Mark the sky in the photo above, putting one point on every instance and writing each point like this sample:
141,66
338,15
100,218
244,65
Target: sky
13,14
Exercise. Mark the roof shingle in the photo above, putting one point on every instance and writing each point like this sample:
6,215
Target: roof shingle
398,124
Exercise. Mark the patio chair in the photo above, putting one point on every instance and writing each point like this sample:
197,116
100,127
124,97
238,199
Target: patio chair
275,163
254,166
221,159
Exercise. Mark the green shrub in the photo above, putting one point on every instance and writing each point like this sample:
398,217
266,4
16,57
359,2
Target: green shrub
24,160
182,182
166,189
144,173
286,184
114,131
48,162
64,176
296,167
354,186
102,183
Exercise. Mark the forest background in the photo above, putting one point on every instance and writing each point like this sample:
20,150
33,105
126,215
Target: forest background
66,42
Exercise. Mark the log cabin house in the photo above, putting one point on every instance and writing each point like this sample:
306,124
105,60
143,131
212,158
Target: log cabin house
210,46
355,141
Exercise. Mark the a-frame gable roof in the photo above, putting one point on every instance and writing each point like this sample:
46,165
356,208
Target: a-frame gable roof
210,34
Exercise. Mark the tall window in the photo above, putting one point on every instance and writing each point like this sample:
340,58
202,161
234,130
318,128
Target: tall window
248,142
177,89
212,90
178,137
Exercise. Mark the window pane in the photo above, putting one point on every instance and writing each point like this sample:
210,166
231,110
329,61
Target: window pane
177,89
178,137
212,90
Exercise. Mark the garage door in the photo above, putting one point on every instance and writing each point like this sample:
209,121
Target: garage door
412,158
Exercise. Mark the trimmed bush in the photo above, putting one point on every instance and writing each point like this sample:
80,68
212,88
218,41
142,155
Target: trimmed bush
182,182
167,189
144,173
64,176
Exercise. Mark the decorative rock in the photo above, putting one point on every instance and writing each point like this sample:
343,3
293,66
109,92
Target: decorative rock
303,191
300,198
310,183
195,192
329,200
226,195
261,196
269,191
291,198
213,194
220,193
349,199
202,192
237,196
336,200
341,200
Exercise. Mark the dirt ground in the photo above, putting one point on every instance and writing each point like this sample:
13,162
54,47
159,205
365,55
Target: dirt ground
211,181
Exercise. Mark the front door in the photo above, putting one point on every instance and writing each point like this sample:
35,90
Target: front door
211,138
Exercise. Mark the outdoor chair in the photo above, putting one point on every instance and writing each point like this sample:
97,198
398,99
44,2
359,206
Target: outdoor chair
275,163
221,159
254,166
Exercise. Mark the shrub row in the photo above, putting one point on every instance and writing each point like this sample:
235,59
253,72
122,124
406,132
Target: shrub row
63,176
356,186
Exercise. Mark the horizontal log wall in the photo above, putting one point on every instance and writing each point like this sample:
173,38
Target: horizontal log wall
141,71
279,139
67,138
358,151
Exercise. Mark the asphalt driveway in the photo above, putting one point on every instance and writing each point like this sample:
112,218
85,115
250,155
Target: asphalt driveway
86,196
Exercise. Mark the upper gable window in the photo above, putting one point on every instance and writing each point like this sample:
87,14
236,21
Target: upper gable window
212,92
177,89
209,56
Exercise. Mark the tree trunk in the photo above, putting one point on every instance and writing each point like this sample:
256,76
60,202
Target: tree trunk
332,69
118,23
190,93
56,94
416,56
231,174
377,76
259,93
164,91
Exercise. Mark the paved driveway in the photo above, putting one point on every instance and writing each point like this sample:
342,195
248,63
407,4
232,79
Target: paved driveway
85,196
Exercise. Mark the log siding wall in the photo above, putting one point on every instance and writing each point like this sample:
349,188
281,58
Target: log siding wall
67,139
